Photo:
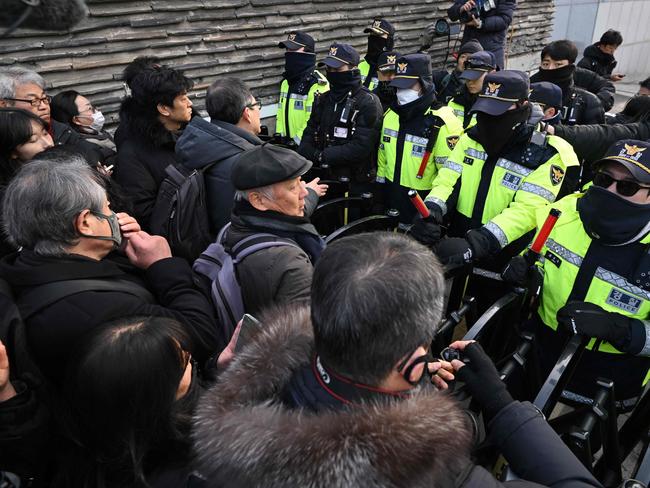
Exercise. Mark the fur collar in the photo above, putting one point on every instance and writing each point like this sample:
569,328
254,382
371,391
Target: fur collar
141,125
244,436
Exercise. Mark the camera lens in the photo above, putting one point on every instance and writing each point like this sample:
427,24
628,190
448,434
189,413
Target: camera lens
449,354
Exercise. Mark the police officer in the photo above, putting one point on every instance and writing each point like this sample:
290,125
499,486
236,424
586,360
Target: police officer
549,97
596,276
500,171
300,83
448,84
418,134
477,66
342,132
381,37
385,74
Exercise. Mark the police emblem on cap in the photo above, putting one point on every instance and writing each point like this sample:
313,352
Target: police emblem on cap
333,50
292,37
401,68
557,175
451,141
492,89
391,59
633,152
376,24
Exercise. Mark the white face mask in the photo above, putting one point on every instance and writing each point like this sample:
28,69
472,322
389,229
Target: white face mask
407,95
98,121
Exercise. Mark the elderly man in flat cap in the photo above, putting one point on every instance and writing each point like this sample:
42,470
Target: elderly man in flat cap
271,198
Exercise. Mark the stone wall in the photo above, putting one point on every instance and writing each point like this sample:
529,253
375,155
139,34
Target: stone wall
208,38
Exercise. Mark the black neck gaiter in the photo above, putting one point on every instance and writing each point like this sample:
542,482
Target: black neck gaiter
343,82
296,64
376,45
562,77
612,219
494,131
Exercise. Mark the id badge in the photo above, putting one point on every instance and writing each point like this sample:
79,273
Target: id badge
341,132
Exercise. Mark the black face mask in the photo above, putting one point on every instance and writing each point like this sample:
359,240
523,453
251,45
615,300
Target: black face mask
342,82
376,45
612,219
562,77
385,91
494,131
297,63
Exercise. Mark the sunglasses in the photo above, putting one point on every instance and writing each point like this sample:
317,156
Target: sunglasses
626,188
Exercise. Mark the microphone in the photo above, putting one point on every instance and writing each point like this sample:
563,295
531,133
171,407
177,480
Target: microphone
58,15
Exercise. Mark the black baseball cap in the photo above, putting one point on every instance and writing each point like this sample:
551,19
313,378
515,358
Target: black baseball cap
266,164
633,154
340,54
477,64
500,90
296,40
387,60
412,68
546,94
380,27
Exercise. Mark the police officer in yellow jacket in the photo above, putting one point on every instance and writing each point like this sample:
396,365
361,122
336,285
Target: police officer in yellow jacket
596,276
417,135
386,66
500,171
381,37
300,84
477,67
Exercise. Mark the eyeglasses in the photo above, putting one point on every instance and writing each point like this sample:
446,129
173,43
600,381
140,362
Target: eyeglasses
34,102
626,188
258,104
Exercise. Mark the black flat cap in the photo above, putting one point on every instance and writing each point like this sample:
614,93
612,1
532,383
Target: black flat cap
267,164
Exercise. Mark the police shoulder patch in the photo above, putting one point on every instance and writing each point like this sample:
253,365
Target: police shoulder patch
452,141
557,174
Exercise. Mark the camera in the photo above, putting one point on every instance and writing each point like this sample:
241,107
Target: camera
466,16
449,354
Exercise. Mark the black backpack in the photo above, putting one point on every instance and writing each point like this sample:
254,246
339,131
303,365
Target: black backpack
180,213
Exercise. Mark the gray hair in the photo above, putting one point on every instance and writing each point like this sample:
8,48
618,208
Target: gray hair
42,202
12,78
266,191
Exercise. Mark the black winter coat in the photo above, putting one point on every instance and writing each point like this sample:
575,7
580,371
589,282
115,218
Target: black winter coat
492,34
245,435
597,61
448,85
218,144
591,142
146,148
52,332
64,135
354,155
599,86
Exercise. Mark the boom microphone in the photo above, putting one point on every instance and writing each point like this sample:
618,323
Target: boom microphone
58,15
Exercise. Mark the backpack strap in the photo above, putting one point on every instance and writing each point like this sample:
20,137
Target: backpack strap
45,295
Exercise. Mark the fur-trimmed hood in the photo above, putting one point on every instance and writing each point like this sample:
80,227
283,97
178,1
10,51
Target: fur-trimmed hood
244,436
143,126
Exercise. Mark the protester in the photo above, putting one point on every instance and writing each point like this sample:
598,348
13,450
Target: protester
599,57
66,241
338,394
636,109
72,108
155,113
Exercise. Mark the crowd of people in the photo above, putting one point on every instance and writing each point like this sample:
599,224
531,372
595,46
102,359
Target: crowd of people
271,358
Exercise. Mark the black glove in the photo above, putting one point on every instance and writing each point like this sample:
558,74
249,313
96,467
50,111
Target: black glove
483,381
477,245
427,230
591,320
519,273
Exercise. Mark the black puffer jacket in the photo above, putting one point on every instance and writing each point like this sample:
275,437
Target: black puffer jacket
597,61
492,34
448,85
590,142
146,148
218,144
599,86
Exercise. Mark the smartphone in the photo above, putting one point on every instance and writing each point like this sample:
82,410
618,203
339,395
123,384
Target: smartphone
249,327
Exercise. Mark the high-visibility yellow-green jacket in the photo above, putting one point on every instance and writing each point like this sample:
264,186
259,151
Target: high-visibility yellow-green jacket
294,109
364,68
501,194
459,111
402,146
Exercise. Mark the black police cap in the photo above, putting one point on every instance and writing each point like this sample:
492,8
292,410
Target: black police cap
265,165
297,39
477,64
500,90
380,27
340,54
633,154
546,93
387,61
412,68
